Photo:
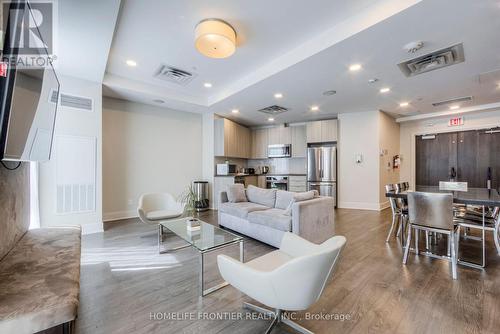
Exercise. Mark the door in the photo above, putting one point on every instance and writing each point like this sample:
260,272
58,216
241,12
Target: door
436,157
472,159
328,170
313,163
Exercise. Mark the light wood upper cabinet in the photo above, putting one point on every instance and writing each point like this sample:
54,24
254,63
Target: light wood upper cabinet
329,130
260,142
299,144
322,131
280,135
231,139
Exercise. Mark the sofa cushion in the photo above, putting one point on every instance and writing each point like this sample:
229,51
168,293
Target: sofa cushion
236,193
283,199
241,209
40,280
273,218
261,196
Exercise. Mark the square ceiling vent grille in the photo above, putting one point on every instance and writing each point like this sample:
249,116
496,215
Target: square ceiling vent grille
174,75
274,110
433,61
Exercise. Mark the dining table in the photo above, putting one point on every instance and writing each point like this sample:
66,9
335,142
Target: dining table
482,197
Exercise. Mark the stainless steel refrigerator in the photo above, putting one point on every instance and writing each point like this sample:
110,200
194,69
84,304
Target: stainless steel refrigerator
322,170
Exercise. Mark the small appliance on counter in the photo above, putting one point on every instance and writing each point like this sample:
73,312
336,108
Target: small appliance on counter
226,169
249,171
262,170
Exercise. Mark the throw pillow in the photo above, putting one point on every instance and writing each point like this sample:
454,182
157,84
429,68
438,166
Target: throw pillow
236,193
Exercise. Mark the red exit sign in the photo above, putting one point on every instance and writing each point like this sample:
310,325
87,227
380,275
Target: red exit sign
3,69
456,121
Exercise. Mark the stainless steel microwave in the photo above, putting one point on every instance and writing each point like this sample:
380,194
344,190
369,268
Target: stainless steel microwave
279,151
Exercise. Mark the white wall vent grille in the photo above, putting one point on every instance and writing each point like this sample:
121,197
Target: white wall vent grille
76,102
452,101
174,75
75,159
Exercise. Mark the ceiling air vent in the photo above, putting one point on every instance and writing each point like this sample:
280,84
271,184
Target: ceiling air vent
174,75
274,110
452,101
433,61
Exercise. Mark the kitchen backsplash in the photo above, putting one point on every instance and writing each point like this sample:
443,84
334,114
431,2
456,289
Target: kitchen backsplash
281,165
276,166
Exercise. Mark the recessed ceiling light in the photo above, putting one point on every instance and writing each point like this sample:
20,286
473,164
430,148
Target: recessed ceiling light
355,67
314,108
454,107
373,80
207,85
330,92
278,95
158,101
385,90
235,111
131,63
404,104
270,119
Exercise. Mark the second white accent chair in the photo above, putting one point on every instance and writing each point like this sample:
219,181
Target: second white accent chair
289,279
156,207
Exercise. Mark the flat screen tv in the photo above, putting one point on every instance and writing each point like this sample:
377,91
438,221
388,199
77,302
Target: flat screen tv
28,92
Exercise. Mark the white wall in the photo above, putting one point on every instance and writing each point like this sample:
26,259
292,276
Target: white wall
375,136
358,183
71,122
208,153
389,147
409,130
147,149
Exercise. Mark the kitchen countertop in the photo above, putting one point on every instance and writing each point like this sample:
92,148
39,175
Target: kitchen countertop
269,174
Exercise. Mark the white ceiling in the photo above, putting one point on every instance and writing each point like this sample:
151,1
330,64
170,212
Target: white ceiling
302,49
84,34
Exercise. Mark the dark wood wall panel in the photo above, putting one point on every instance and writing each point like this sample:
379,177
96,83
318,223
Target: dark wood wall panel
471,153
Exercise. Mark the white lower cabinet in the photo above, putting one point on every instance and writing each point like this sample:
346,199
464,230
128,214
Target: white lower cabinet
297,183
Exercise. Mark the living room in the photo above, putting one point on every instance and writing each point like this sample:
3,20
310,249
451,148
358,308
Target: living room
229,166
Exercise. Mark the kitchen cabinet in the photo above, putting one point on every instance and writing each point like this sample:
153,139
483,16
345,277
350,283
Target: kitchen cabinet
259,143
261,181
321,131
297,183
251,180
299,144
231,139
280,135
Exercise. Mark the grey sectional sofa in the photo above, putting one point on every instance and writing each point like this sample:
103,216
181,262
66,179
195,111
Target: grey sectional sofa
268,214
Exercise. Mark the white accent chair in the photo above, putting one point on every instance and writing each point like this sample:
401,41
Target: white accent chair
153,208
289,279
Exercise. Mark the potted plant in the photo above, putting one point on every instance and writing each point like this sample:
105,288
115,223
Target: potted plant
188,199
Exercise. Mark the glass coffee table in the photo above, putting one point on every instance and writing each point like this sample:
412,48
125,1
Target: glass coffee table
205,239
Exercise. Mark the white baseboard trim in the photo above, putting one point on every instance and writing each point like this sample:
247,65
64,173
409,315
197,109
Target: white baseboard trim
92,228
118,215
384,205
363,206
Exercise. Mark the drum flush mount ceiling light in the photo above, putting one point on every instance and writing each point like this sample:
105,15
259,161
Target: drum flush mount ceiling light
215,38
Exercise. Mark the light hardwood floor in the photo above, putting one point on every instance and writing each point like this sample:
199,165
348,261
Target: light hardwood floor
124,281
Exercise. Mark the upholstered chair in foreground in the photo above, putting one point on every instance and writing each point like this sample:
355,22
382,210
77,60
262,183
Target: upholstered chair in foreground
289,279
154,208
